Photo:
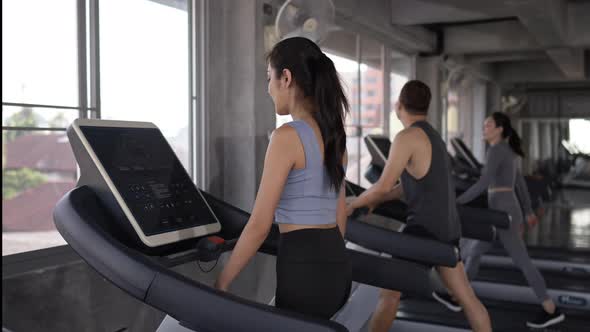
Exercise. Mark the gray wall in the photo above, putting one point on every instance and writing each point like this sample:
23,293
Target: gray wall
240,113
530,71
472,112
73,297
428,70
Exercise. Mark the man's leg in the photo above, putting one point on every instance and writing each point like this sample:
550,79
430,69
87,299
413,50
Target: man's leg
456,282
385,312
471,252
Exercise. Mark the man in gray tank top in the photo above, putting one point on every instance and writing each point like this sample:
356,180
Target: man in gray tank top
419,158
431,198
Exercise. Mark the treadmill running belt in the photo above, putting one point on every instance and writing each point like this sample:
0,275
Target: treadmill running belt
559,254
505,316
554,280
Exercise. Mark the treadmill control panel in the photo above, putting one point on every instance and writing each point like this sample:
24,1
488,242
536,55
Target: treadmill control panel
150,178
381,144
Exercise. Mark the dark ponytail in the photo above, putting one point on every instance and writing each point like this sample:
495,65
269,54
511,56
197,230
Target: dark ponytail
502,120
316,76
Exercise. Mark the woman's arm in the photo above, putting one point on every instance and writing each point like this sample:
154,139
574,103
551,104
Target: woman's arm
341,216
522,192
489,169
277,164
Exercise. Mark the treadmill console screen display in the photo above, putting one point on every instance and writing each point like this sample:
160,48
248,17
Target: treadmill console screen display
383,144
149,177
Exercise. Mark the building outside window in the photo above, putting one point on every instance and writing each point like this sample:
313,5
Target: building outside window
144,77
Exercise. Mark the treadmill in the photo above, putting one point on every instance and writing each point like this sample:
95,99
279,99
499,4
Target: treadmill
419,313
548,258
135,214
579,173
476,223
108,220
539,190
504,282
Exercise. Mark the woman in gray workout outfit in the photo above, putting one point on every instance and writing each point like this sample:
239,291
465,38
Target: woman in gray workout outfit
501,177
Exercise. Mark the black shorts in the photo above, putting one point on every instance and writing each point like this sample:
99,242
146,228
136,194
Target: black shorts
423,232
314,274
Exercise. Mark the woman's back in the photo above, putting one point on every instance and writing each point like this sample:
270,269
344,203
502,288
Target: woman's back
313,270
308,199
503,162
500,172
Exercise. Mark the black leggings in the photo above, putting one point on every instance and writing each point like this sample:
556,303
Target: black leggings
314,274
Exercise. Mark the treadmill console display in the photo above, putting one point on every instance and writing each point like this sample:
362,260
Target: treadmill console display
378,147
150,178
464,153
383,143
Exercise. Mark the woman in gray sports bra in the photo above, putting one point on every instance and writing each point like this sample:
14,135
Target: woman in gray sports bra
501,177
302,185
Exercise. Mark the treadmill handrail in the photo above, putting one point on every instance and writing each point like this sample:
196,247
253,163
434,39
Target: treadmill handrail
410,278
378,156
474,215
198,306
406,246
462,149
382,272
467,214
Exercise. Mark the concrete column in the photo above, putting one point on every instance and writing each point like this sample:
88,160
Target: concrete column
479,114
557,150
493,97
427,69
535,153
465,113
545,136
240,113
386,102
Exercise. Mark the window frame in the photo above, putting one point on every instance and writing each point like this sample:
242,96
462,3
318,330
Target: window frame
89,106
386,66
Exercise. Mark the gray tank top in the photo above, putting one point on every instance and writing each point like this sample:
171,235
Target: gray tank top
307,198
431,199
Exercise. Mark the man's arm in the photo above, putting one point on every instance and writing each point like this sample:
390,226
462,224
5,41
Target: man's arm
396,193
399,156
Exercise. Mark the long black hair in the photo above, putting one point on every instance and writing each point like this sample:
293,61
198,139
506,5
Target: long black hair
502,120
315,74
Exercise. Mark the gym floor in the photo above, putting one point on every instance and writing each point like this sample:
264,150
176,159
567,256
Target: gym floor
566,223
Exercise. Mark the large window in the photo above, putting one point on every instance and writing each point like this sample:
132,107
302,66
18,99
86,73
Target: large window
452,116
371,115
143,70
39,52
363,82
32,183
144,66
580,135
348,71
400,72
39,100
360,63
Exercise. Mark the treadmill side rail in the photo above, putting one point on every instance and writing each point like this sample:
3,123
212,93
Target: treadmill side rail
82,221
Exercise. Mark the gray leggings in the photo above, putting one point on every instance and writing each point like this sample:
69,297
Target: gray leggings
472,250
